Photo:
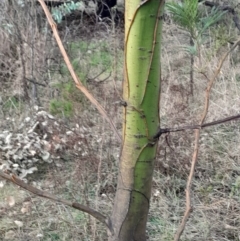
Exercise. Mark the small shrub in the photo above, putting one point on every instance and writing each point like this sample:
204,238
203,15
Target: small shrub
58,107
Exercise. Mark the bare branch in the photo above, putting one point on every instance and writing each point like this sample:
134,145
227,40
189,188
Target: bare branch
195,127
77,81
17,181
35,82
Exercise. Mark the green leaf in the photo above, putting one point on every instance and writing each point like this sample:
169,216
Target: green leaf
190,49
184,14
66,8
211,19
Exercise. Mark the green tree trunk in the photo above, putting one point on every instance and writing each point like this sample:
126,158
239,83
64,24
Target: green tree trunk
141,119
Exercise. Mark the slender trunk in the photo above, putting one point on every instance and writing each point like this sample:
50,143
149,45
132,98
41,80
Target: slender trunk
141,119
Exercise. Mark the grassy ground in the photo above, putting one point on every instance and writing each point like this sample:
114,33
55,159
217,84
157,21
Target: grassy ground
88,175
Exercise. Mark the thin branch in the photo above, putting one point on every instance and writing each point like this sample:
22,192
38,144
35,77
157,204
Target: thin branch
77,81
95,77
101,81
230,118
196,144
195,127
213,79
35,82
17,181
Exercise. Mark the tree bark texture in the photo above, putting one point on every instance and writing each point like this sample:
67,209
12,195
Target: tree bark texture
141,119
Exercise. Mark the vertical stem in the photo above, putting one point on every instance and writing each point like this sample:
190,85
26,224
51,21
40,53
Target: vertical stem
191,67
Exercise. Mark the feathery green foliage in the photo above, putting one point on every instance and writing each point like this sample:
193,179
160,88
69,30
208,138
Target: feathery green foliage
59,12
188,16
206,22
184,14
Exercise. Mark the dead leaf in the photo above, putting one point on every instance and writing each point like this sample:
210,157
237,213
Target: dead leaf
11,201
18,223
26,207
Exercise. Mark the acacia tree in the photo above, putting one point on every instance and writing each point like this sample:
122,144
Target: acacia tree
140,124
141,94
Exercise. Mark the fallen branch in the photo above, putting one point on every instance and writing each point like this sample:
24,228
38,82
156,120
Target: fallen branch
196,144
17,181
77,81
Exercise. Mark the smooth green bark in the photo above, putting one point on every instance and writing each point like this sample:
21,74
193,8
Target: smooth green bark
141,119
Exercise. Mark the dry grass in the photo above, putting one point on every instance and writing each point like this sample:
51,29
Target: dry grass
90,176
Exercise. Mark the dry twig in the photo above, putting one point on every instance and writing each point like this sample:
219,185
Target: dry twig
194,127
77,81
196,144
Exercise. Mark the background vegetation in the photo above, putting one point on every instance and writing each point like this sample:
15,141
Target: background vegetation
84,167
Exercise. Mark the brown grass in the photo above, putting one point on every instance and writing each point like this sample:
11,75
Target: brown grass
88,175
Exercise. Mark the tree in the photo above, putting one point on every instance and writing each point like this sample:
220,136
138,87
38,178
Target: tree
187,15
141,124
140,121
